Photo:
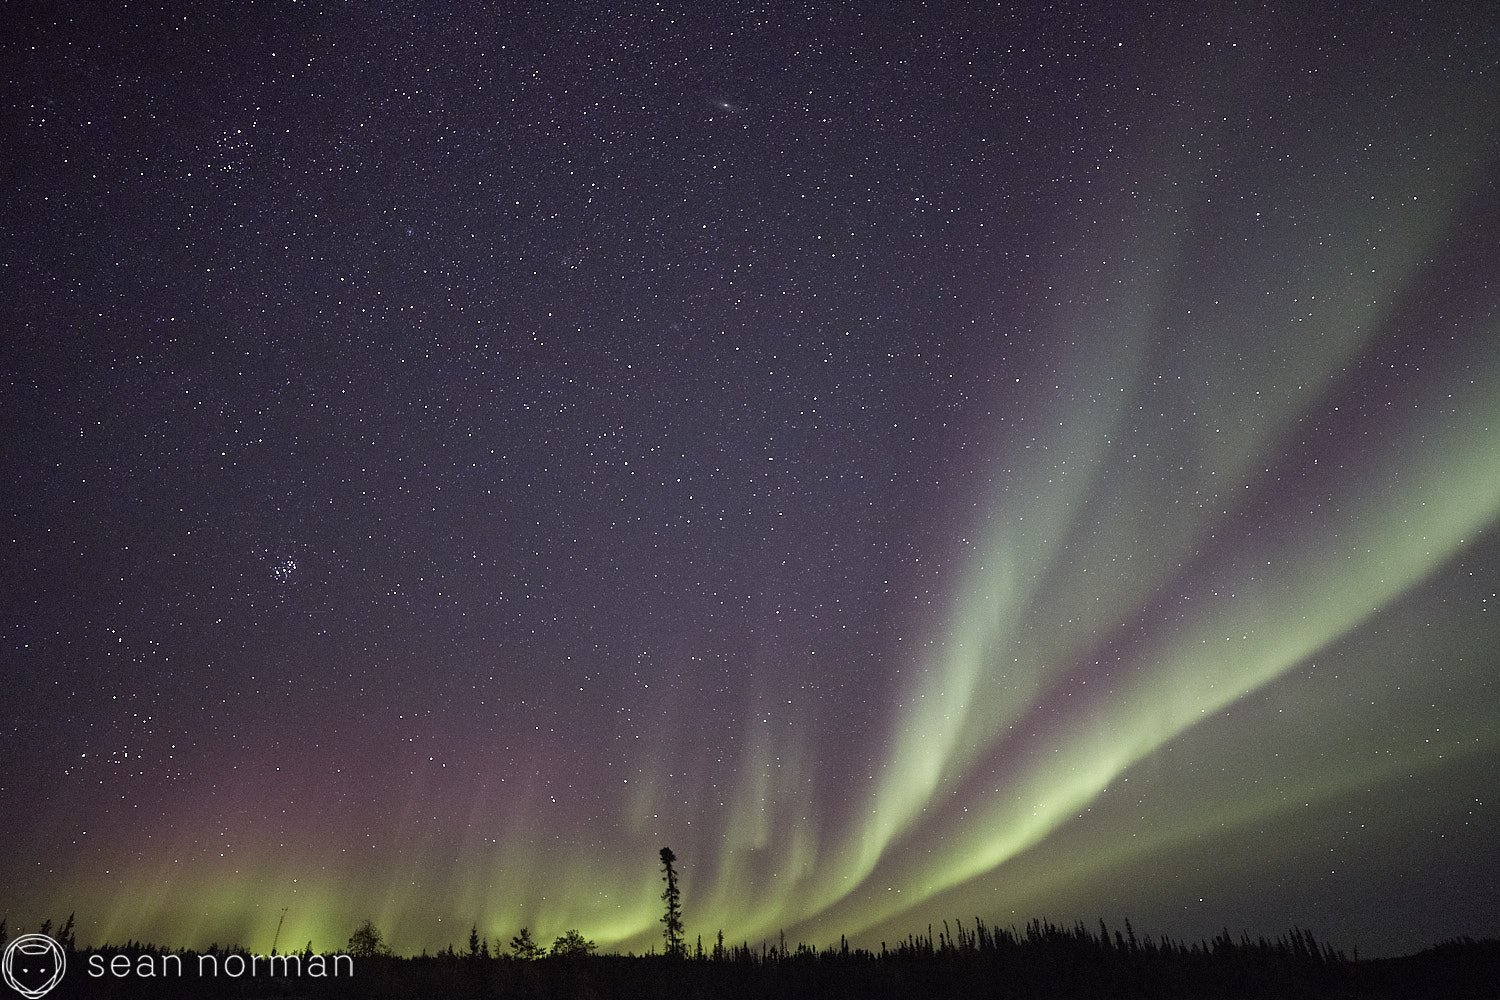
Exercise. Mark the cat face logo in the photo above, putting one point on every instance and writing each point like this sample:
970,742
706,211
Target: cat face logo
34,963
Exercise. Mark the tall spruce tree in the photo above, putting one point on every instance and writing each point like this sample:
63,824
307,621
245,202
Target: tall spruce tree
672,896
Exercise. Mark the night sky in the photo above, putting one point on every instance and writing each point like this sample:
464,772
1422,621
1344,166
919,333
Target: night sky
1037,462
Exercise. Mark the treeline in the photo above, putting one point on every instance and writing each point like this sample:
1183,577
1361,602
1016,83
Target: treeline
953,959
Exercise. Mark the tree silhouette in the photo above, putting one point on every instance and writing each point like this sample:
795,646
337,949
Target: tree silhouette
524,947
572,944
366,941
672,896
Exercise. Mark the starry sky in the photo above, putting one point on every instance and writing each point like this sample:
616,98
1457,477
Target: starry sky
916,461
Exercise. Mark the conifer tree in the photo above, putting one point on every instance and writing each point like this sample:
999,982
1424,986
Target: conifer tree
672,896
524,946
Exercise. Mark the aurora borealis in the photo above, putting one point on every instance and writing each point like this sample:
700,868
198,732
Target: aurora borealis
917,466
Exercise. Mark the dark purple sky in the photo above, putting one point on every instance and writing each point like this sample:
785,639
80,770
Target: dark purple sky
916,465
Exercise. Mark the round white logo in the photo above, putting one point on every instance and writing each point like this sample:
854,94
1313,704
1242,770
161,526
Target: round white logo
33,964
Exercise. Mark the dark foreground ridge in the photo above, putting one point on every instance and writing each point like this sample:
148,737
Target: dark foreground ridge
1041,961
